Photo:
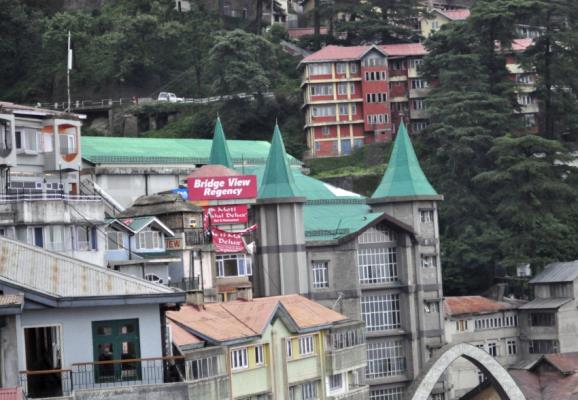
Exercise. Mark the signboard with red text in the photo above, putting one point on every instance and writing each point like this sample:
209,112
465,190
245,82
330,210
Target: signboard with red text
222,187
233,214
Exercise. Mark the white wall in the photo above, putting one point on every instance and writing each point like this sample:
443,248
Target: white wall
76,328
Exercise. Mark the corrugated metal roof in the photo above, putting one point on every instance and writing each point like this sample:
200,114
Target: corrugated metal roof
558,272
551,303
345,53
130,150
58,276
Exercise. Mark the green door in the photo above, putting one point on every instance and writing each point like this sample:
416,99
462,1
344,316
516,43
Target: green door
115,341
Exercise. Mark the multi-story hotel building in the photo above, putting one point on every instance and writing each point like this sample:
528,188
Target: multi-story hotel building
357,95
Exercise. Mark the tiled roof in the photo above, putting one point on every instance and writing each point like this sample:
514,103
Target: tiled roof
456,15
35,269
461,305
183,338
237,320
169,151
566,363
296,33
522,44
404,49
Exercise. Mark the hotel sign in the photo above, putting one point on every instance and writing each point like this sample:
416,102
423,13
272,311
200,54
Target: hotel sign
233,214
222,187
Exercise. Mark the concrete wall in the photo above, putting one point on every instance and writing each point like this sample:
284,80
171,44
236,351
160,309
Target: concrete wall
8,352
76,329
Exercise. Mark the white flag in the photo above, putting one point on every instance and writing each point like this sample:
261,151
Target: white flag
69,53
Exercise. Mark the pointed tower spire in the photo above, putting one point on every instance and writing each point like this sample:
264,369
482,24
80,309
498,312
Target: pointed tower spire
403,176
278,181
219,150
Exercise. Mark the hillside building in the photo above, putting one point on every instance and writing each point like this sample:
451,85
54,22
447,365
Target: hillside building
359,94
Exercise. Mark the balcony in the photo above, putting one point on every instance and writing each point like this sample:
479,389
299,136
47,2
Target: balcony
353,357
102,375
354,393
196,237
419,93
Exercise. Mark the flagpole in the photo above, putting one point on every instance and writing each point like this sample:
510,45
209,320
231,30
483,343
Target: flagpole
68,68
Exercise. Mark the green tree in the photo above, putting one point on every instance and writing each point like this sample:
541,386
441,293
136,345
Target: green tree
242,62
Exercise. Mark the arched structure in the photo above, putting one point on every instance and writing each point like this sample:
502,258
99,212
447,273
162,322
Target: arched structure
503,383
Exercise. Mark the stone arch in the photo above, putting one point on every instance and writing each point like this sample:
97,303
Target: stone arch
422,386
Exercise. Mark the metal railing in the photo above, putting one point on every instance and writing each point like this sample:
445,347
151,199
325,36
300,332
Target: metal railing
13,198
196,237
46,383
102,375
186,284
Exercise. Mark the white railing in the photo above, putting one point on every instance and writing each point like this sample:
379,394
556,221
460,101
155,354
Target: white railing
13,198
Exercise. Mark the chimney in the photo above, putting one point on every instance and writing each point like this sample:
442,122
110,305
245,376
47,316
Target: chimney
195,297
245,293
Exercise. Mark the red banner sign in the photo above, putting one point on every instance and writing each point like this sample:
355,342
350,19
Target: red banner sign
226,215
230,242
222,187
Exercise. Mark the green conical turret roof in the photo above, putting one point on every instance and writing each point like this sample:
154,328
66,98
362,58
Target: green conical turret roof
403,176
278,181
219,151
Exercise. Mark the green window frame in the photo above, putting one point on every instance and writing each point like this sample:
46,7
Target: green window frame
117,340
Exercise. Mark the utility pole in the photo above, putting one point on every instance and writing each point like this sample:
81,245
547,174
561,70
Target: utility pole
68,68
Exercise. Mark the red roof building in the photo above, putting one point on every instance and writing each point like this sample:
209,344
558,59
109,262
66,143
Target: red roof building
357,95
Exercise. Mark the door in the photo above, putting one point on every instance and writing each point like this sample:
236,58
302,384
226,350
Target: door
38,236
346,147
43,353
115,344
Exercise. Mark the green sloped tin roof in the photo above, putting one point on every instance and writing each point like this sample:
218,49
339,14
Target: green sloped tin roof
330,213
277,181
131,150
403,176
219,149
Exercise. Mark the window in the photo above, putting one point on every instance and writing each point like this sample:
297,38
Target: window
374,61
340,68
202,368
68,144
481,377
560,290
418,104
113,240
493,349
542,319
543,346
86,238
306,345
375,76
435,25
512,347
289,344
259,355
432,307
342,88
320,274
462,325
353,68
325,131
320,69
346,338
415,62
321,90
376,97
234,265
239,358
428,261
309,391
526,79
427,216
418,84
344,109
323,111
5,136
377,119
418,126
148,239
381,312
153,278
116,340
27,139
397,65
525,99
529,120
386,358
395,393
48,142
335,382
377,265
357,143
379,234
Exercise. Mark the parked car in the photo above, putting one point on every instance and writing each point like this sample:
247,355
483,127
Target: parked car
170,97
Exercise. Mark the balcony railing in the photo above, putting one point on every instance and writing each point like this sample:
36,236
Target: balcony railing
14,198
102,375
196,237
186,284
